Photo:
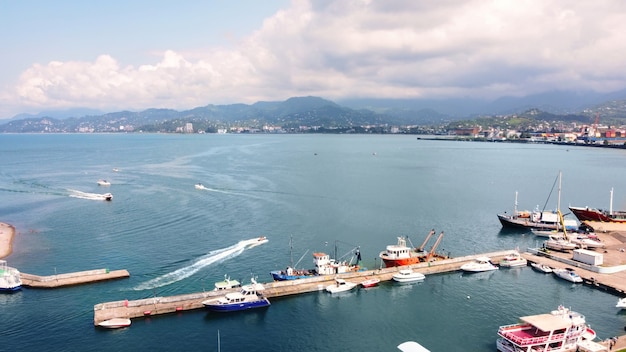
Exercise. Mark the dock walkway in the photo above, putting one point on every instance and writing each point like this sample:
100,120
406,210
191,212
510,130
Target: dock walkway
71,279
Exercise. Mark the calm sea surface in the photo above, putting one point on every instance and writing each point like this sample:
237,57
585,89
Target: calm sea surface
317,189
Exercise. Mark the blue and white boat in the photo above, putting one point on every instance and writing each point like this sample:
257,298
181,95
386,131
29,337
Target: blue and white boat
9,278
248,298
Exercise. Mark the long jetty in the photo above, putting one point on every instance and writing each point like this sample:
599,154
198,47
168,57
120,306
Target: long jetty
171,304
71,279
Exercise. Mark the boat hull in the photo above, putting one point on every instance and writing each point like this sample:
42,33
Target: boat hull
115,323
281,276
589,214
233,307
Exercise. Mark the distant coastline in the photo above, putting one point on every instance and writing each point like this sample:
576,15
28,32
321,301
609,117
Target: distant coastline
619,145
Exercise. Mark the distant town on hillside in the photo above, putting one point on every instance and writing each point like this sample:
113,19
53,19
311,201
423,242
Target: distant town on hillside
603,123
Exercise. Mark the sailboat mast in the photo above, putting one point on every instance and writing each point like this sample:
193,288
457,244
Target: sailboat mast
558,202
611,203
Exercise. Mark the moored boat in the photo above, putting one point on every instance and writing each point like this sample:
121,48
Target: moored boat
541,268
568,274
561,330
9,278
115,323
340,285
621,303
514,259
400,254
593,214
560,244
226,284
370,282
249,297
478,265
408,275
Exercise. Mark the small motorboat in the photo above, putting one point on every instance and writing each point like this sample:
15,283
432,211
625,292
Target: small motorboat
587,242
340,285
408,275
200,186
115,323
541,268
104,183
107,196
226,284
513,260
412,346
568,274
560,244
479,264
621,303
370,282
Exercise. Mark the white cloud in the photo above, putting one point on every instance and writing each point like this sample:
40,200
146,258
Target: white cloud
360,48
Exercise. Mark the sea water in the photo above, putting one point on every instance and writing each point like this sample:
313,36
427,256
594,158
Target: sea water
324,193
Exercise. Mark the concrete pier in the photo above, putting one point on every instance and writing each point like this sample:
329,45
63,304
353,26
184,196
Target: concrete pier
171,304
71,279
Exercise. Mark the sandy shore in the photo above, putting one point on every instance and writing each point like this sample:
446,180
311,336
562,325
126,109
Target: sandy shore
6,239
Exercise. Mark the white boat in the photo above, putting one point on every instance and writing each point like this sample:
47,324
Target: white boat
9,278
226,284
479,264
115,323
340,285
200,186
560,244
408,275
561,330
104,183
248,298
370,282
513,259
412,346
541,267
107,196
621,303
568,274
586,242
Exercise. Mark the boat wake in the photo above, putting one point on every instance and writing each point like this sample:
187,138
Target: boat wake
212,257
84,195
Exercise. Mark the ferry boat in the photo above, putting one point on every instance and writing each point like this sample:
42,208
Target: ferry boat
9,278
561,330
400,254
248,298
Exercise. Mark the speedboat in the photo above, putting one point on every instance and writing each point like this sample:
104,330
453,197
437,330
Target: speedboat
568,274
200,186
408,275
541,268
412,346
340,285
370,282
248,298
513,260
226,284
561,330
479,264
560,244
115,323
107,196
9,278
621,303
104,183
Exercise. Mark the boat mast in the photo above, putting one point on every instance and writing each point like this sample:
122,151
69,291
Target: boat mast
611,203
558,202
515,205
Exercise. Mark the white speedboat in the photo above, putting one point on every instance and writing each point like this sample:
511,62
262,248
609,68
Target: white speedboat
200,186
9,278
104,183
340,285
621,303
408,275
586,242
115,323
560,244
568,274
541,268
479,264
513,259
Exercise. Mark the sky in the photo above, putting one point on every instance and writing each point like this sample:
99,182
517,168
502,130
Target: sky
137,54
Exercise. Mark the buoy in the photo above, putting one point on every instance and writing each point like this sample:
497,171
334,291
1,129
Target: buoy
147,312
178,309
468,297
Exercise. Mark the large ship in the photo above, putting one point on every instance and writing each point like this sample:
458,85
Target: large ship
400,254
593,214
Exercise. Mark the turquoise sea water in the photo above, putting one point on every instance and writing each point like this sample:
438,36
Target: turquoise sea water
316,189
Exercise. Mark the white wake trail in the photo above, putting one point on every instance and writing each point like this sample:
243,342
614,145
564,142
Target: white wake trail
202,262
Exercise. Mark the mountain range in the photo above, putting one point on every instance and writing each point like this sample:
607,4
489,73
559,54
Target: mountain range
316,111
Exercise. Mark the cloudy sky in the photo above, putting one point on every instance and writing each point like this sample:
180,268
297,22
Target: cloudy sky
118,54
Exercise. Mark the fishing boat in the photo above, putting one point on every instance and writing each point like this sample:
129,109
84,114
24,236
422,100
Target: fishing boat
560,330
9,278
370,282
400,254
340,285
541,268
514,259
593,214
323,265
249,297
408,275
115,323
568,274
226,284
621,303
537,219
479,264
